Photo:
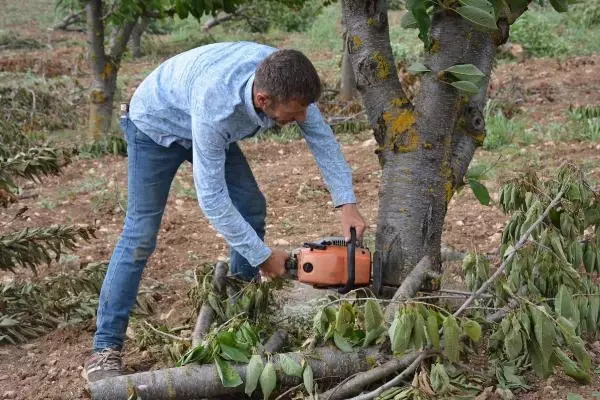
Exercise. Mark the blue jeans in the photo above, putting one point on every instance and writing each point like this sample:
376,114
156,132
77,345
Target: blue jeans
151,169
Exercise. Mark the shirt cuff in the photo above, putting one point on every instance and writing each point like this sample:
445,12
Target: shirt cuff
339,198
260,255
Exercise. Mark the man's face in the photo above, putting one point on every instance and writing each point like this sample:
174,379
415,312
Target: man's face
282,112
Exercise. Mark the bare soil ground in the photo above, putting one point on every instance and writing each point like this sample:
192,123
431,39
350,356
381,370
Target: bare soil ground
87,192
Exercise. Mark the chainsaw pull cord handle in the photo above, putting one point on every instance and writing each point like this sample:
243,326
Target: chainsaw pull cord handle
351,263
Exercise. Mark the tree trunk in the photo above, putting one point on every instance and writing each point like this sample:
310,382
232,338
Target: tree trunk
136,37
202,381
348,90
104,68
415,143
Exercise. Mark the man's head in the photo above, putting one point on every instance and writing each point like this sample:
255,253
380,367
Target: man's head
285,83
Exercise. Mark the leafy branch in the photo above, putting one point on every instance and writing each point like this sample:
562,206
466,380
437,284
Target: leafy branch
32,246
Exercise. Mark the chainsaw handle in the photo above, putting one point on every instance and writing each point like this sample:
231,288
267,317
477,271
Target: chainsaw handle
351,263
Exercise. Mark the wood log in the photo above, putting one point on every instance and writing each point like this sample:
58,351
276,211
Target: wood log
202,381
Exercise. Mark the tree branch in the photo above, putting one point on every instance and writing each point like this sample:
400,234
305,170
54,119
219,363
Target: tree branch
408,371
411,284
202,381
207,314
70,20
520,243
356,384
120,39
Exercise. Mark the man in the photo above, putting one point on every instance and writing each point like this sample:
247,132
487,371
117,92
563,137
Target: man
196,106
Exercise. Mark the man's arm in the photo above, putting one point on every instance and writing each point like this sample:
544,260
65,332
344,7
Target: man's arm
328,154
209,177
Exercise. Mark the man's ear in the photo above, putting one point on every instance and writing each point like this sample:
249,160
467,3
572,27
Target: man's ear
262,99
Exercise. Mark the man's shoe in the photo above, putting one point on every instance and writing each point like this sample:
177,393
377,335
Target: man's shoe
104,364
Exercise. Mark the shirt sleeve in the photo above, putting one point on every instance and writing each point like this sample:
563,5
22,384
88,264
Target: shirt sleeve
209,145
328,154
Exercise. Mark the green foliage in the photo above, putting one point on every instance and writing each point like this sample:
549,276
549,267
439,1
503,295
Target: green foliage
551,279
31,247
32,309
585,123
538,37
502,131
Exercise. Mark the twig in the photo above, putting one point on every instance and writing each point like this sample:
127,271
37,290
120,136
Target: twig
411,368
505,263
165,334
290,390
463,293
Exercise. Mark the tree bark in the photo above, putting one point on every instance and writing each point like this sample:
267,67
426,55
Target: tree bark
348,90
420,164
104,68
202,381
136,36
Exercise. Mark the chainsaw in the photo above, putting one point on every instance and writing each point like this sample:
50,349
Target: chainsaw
331,262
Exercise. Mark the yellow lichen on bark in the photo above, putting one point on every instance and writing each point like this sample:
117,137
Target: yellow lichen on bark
427,145
403,136
383,66
356,42
371,22
435,46
107,71
479,138
398,102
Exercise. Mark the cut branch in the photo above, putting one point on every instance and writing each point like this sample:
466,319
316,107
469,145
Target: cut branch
69,20
202,381
362,380
507,260
207,314
411,285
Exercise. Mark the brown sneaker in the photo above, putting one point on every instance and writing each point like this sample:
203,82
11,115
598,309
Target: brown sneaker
103,364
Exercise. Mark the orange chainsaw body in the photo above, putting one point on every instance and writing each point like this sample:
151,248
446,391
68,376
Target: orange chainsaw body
329,266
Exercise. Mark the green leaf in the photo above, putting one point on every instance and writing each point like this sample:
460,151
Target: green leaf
433,329
307,378
408,21
513,344
373,335
465,72
539,361
440,381
418,68
594,310
570,367
481,4
545,334
290,366
344,319
465,86
233,354
253,372
563,304
451,339
560,5
342,343
268,380
400,332
229,376
373,315
480,192
478,17
418,337
476,172
320,322
472,329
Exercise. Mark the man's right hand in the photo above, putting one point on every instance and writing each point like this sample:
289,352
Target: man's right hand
275,265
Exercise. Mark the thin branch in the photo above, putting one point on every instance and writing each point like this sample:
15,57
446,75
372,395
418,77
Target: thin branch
355,384
508,259
165,334
402,376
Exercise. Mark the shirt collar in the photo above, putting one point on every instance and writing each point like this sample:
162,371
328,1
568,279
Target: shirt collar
259,118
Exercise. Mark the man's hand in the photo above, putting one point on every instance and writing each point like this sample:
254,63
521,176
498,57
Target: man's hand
275,265
351,217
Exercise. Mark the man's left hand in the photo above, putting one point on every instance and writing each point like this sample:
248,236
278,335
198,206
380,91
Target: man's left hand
352,218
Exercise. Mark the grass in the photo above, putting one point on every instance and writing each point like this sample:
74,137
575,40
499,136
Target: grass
545,33
502,131
24,12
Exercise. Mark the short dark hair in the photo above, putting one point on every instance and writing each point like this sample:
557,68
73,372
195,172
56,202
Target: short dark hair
288,75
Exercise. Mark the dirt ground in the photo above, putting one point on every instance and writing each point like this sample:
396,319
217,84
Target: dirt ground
298,210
